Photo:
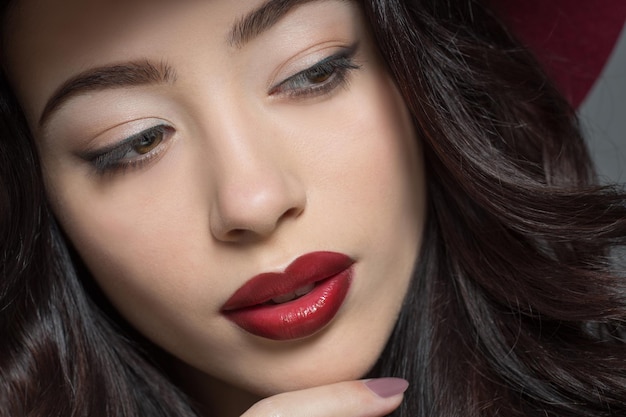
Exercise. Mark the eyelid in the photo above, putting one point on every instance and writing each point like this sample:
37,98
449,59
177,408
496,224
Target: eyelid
345,52
110,157
109,138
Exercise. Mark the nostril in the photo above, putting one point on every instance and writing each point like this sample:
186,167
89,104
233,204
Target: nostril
236,234
293,212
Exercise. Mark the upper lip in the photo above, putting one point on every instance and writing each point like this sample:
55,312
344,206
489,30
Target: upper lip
304,270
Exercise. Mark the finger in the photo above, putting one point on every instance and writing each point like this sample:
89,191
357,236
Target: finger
371,398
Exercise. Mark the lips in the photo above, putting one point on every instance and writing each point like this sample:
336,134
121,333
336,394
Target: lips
295,303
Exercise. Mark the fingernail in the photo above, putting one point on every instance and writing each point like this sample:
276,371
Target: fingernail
387,387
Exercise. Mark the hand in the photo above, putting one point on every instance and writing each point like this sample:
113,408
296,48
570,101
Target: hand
371,398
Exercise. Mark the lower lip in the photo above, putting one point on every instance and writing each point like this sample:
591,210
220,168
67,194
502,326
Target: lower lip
298,318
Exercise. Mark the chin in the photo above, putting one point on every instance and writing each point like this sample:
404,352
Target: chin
294,380
309,365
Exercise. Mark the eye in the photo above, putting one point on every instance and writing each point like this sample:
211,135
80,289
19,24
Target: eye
321,78
320,73
148,142
131,152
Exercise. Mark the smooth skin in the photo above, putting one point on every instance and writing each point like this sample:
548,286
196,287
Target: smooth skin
238,157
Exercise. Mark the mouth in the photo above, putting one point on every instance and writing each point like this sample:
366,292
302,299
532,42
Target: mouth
296,303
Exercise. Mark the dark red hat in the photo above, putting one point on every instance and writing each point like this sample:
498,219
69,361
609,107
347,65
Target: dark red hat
572,38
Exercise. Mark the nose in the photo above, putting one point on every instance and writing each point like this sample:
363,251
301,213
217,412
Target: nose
255,195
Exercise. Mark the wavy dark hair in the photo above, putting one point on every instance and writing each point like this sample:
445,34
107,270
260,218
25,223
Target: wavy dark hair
517,307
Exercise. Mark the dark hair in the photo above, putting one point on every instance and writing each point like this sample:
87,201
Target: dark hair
514,309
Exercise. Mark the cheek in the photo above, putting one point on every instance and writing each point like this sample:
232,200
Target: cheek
379,178
137,240
139,271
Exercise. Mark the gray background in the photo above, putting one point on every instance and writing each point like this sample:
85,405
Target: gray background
603,117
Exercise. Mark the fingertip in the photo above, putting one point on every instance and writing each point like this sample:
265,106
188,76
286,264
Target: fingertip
387,387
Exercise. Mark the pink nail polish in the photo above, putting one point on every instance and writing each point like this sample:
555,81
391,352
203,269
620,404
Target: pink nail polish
387,387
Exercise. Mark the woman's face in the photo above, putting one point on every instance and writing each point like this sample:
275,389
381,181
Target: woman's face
189,146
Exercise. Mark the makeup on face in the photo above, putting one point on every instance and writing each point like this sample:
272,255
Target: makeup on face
244,184
295,303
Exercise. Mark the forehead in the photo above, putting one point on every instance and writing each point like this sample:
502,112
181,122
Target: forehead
66,18
47,39
53,26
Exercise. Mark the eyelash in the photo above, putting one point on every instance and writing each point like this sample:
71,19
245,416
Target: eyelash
333,70
112,160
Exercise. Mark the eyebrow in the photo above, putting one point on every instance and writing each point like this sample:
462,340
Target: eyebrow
145,72
260,20
128,74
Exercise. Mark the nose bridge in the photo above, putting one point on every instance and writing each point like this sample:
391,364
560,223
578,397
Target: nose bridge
254,190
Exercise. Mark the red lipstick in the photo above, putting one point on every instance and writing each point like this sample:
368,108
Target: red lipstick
295,303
